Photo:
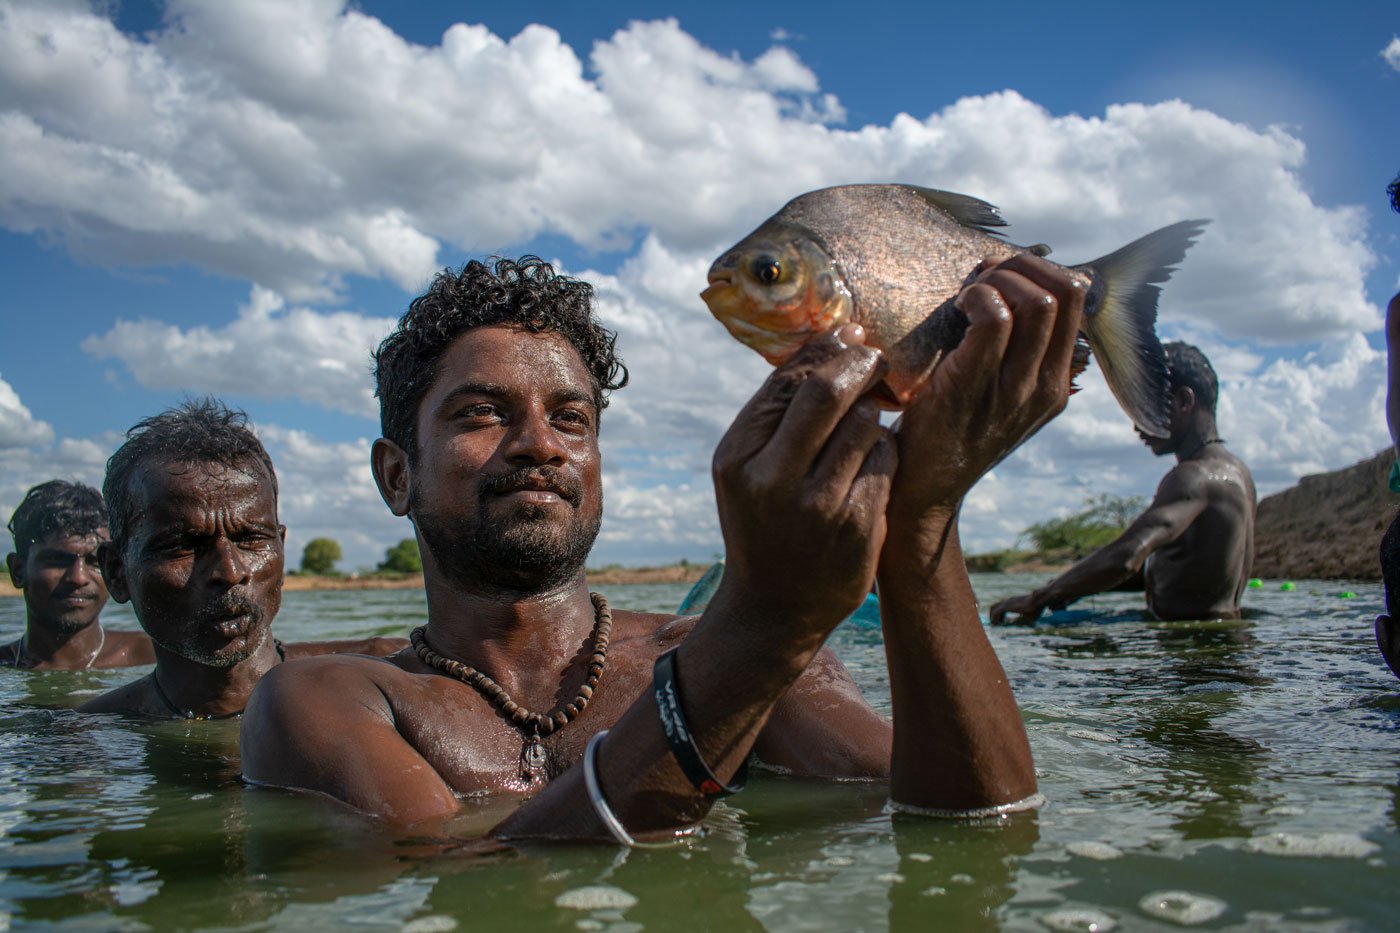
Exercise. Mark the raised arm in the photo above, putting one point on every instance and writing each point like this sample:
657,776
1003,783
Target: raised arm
801,480
959,743
1179,501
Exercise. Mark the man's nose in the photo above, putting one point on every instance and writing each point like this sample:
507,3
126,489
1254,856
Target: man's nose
533,439
79,572
230,566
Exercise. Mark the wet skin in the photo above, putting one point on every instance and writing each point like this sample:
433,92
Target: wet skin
1193,546
202,566
64,593
803,479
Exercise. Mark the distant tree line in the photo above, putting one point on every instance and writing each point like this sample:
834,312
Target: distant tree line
320,555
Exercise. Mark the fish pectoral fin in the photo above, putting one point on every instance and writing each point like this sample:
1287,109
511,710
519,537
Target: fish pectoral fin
1120,317
965,209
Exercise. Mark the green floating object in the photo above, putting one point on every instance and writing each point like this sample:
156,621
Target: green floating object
1255,583
1287,586
1347,594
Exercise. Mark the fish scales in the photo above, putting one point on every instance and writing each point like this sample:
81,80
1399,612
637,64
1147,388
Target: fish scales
893,257
904,261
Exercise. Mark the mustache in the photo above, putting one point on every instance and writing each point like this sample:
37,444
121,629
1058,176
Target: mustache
531,477
227,606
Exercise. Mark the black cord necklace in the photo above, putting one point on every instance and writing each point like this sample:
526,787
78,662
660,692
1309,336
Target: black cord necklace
188,714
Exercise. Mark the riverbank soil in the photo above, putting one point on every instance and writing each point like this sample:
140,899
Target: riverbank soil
1329,526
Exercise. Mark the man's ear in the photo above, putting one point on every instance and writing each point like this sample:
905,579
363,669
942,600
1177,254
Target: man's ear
1185,399
391,474
16,568
113,571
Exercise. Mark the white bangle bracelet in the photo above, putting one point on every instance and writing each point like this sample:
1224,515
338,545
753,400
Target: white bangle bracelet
977,813
605,814
595,793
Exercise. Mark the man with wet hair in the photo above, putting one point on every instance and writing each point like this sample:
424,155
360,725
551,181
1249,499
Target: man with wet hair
618,723
57,530
1194,546
197,549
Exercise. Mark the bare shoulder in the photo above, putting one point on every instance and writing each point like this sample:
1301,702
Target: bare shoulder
133,699
650,631
325,678
377,646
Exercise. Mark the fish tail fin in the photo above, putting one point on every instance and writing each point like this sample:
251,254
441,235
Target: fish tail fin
1120,315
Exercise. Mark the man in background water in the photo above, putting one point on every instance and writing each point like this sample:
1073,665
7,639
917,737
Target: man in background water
57,530
197,549
1194,546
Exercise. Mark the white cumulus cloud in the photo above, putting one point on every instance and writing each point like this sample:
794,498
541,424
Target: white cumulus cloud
18,427
267,351
1391,53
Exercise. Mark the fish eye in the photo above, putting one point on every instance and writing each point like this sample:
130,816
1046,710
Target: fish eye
767,270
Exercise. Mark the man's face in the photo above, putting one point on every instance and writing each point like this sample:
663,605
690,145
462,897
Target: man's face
1161,446
506,488
202,565
63,587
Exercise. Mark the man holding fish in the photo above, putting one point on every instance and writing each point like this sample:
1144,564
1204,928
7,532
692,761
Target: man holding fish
490,394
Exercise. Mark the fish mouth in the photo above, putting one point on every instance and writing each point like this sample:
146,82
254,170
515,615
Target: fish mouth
721,280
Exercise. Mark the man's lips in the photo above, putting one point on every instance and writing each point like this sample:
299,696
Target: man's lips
531,487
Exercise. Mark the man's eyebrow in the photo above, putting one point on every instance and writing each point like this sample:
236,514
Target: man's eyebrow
468,389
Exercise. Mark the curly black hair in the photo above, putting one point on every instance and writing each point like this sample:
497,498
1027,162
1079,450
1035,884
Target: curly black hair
197,431
525,293
1393,189
1187,366
56,506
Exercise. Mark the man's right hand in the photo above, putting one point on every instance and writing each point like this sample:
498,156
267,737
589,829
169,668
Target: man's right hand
1027,608
802,479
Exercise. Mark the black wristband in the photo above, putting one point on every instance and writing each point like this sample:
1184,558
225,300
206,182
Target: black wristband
666,689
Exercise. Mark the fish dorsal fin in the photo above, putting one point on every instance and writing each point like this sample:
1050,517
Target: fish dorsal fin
965,209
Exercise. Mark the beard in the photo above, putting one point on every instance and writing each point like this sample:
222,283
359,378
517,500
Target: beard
197,640
529,551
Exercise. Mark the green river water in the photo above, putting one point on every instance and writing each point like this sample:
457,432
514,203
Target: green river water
1241,776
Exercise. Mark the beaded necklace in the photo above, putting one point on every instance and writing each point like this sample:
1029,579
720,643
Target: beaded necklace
531,725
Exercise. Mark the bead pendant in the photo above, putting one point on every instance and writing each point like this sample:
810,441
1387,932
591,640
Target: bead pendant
533,759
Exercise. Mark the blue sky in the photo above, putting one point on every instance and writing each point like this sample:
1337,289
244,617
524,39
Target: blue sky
237,198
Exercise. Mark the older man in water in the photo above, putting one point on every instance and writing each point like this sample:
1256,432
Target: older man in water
1194,546
197,549
57,530
523,683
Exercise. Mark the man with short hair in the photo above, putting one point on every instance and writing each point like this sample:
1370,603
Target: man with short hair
57,530
197,549
620,723
1194,546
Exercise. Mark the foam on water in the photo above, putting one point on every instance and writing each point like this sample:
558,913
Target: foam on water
1182,907
1095,850
1072,920
1323,845
596,897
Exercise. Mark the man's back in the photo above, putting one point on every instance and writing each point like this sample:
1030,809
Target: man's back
1202,573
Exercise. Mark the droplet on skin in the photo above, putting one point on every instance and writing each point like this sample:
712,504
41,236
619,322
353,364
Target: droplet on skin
596,897
1182,907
